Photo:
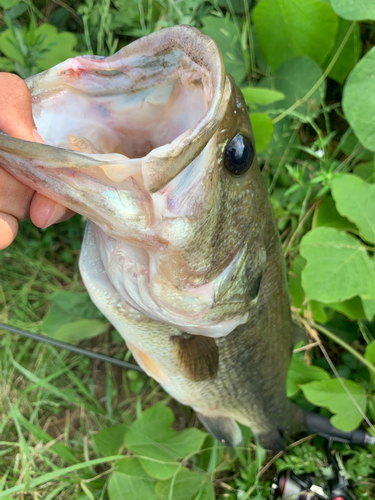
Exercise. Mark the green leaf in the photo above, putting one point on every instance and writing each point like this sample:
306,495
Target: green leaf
359,10
350,53
369,308
331,395
6,64
365,171
283,142
258,95
187,486
361,464
8,4
75,331
295,78
337,268
17,11
352,144
326,215
9,46
110,440
355,199
44,46
286,30
67,307
370,352
300,373
152,436
370,356
159,470
262,129
318,311
224,32
359,100
352,308
129,480
295,286
57,46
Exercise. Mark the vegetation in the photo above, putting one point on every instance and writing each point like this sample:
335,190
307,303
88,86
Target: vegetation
70,427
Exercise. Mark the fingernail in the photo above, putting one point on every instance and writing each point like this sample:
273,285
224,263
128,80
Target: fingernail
37,136
58,213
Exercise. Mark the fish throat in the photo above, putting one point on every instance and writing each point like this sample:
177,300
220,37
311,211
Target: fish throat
121,109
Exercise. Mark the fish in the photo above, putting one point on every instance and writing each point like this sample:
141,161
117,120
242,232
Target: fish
181,252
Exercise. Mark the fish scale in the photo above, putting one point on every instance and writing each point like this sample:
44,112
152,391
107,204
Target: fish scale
181,252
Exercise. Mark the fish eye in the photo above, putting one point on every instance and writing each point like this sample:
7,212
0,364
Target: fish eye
239,155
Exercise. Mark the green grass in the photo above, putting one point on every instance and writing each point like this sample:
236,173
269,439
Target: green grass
53,403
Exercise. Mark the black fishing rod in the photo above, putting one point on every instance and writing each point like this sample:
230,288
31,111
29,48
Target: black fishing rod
72,348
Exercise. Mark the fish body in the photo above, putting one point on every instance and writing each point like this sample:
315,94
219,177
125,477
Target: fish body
181,252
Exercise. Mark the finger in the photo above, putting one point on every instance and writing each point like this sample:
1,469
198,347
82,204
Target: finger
15,197
16,117
8,230
44,212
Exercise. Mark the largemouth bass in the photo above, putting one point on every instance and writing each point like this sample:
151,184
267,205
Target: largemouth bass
181,253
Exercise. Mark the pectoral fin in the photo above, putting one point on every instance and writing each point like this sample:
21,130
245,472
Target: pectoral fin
224,429
197,356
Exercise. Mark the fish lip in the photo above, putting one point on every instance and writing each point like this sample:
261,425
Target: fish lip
202,50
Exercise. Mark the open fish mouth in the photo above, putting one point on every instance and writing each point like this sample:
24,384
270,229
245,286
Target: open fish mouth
138,104
135,143
132,121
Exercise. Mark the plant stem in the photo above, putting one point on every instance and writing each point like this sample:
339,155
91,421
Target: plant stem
321,79
346,346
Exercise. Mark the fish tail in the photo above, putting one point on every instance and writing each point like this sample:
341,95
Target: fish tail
224,429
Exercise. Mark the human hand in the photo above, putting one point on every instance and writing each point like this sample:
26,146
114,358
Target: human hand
17,201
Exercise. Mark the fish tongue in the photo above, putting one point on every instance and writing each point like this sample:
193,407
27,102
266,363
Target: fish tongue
82,145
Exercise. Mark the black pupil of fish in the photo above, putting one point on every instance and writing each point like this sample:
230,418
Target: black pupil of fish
239,155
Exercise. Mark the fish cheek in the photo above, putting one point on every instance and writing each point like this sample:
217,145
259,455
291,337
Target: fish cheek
196,355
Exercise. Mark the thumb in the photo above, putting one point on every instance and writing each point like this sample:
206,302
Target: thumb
16,117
